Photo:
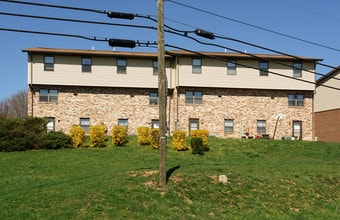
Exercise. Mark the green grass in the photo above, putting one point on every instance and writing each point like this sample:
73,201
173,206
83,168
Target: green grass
267,180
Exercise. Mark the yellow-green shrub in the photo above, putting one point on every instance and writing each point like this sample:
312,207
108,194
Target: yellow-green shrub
204,134
118,135
178,140
155,136
144,135
77,134
97,135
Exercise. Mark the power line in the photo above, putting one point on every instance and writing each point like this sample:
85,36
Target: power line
255,26
185,34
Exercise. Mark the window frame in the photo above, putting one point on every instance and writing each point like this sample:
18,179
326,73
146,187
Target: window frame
264,70
261,126
228,127
296,100
195,98
297,71
86,126
49,95
49,66
197,69
155,67
153,100
121,69
86,67
231,67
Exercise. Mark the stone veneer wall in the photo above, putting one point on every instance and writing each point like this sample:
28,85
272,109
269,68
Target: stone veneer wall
101,105
245,107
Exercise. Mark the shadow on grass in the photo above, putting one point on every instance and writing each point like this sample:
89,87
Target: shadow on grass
170,172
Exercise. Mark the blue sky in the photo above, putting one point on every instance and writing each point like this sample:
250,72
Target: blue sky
314,21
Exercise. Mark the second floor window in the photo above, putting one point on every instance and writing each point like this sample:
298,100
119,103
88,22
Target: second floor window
297,69
196,65
48,95
86,65
49,63
193,97
231,67
153,98
155,67
296,100
264,67
121,66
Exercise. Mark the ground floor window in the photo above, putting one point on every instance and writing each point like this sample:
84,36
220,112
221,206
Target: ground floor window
193,124
154,123
297,129
261,126
123,122
85,124
228,125
50,126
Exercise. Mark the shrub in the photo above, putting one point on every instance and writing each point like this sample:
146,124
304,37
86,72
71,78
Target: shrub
57,140
144,135
204,134
197,145
118,135
155,136
77,134
178,140
97,135
22,134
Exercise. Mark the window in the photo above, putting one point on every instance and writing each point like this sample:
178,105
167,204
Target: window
155,67
297,129
231,67
193,124
154,123
49,63
121,65
261,126
48,95
86,64
295,100
264,66
196,65
297,69
85,124
50,126
228,125
193,97
153,98
123,122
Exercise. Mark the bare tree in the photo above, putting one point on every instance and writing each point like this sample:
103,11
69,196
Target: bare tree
3,109
16,105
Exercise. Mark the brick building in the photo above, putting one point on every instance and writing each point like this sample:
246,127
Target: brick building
228,94
327,107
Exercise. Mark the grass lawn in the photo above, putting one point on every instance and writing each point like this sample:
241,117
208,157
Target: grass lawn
266,180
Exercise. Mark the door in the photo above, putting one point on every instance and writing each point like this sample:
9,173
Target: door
297,130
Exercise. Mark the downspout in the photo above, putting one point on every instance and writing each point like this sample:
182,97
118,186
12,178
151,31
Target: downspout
31,83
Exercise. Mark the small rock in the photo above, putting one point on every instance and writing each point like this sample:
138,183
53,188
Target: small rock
223,179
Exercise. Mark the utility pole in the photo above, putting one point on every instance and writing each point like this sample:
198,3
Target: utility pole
161,94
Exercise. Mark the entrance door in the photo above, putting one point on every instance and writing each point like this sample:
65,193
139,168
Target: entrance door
297,129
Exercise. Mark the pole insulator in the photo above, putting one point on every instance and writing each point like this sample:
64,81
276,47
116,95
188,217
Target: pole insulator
205,34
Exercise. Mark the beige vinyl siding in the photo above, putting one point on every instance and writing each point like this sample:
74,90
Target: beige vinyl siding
328,98
214,74
67,71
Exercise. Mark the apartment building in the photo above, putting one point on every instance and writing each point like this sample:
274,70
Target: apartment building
229,94
327,107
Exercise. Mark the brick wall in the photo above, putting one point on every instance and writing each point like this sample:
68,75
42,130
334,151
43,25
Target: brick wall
327,125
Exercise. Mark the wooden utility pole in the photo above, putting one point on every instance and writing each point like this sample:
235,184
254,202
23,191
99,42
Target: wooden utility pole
162,94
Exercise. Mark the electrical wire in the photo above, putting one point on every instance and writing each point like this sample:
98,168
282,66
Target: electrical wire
255,26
